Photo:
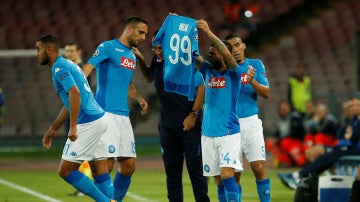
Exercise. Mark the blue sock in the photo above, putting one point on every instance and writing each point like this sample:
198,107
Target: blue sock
104,183
221,193
85,185
264,190
121,186
231,189
240,193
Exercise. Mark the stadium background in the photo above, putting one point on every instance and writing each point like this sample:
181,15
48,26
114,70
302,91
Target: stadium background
322,34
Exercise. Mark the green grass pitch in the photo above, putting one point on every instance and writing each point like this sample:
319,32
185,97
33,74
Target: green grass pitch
147,184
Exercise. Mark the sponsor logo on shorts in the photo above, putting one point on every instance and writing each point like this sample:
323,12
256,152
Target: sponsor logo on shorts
111,149
73,153
207,168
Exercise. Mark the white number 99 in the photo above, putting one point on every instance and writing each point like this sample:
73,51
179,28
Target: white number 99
183,45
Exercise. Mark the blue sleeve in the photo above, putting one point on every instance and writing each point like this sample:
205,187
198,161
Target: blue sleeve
261,73
204,67
65,78
159,36
99,55
199,79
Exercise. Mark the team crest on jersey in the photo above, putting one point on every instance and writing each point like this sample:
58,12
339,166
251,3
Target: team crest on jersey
127,63
217,82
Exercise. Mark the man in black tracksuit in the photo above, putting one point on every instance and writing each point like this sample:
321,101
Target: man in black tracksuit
180,130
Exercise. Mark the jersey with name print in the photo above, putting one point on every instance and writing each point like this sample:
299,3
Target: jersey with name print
178,37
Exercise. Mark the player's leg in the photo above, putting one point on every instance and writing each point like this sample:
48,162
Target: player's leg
102,178
229,158
84,148
122,146
254,151
192,148
70,173
172,149
123,175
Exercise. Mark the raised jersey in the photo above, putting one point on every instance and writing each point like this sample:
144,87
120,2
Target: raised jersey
178,37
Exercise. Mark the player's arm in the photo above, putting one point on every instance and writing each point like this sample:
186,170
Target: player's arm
262,90
218,44
74,100
190,120
87,69
145,70
54,127
133,94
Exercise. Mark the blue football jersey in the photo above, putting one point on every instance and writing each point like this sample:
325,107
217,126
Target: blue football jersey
248,97
115,64
221,95
65,75
178,36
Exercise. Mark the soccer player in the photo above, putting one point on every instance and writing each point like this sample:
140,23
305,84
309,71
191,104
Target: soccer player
74,53
115,64
220,139
254,83
179,129
87,123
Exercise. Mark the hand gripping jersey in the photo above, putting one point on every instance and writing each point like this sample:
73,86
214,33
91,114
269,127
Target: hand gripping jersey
115,64
65,75
221,95
248,97
178,37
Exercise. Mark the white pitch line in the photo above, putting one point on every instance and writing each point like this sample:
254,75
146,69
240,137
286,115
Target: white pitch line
138,198
28,191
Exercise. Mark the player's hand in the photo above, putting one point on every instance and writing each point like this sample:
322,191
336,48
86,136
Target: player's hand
250,74
48,137
203,25
72,134
144,105
137,52
189,122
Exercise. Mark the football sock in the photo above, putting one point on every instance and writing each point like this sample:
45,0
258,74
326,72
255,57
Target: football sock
240,193
264,190
221,193
85,185
231,189
104,183
121,186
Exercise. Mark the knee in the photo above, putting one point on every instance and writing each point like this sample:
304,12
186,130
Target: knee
127,168
258,168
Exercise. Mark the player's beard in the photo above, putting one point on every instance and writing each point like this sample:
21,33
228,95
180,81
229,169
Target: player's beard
133,42
215,64
45,60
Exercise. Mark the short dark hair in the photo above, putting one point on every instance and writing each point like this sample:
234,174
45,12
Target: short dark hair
71,43
134,20
230,36
228,45
49,40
